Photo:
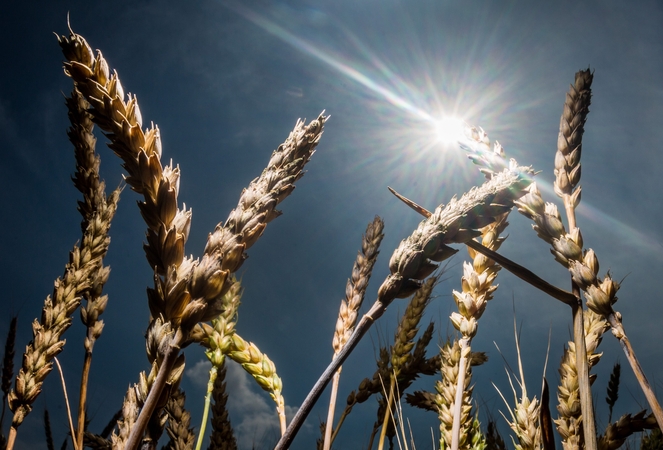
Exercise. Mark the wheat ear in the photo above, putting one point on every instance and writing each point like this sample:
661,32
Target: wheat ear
413,260
567,175
222,437
616,433
443,400
477,289
181,434
82,271
600,294
217,339
613,388
168,226
8,366
186,292
355,289
86,179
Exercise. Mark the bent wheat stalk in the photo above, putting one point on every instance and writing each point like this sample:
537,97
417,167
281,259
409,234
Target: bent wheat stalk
413,260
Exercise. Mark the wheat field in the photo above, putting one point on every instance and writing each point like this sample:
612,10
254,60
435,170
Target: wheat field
200,100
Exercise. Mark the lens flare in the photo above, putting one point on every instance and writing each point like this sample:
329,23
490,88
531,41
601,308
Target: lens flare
449,130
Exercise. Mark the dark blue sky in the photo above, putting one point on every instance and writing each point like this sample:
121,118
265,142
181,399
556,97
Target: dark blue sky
226,83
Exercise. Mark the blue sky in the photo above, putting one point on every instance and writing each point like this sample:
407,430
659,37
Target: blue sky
226,83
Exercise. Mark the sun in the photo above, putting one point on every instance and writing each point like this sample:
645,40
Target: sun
449,130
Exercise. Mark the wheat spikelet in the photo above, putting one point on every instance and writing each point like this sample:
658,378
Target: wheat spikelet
616,433
178,429
222,437
476,143
130,410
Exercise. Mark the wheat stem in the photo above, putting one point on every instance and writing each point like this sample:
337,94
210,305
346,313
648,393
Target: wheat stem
169,359
387,411
618,331
208,396
66,401
329,425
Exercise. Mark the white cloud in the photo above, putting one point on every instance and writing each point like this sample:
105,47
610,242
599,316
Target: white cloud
252,411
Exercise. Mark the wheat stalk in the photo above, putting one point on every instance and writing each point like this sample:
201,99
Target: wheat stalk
355,290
